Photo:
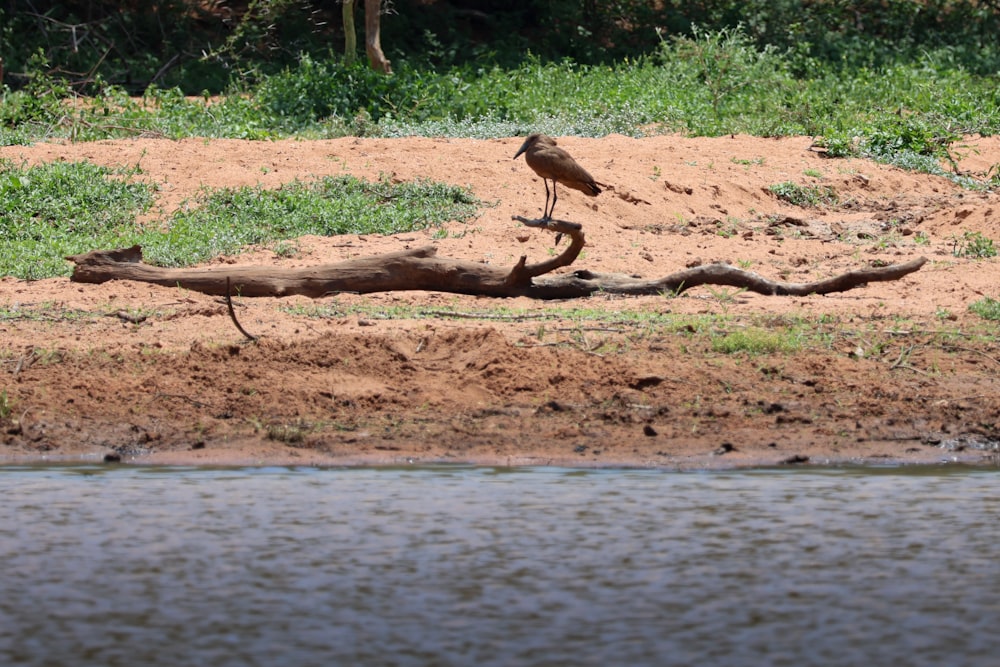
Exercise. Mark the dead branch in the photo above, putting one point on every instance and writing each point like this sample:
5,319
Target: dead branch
724,274
422,269
232,314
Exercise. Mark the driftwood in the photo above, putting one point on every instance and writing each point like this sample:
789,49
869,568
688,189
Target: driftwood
422,269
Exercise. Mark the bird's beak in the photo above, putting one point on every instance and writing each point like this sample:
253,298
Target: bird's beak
520,150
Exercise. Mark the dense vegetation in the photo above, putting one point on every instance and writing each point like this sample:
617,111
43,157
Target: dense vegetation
897,80
199,45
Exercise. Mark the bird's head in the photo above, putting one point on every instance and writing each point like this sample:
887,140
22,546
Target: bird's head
533,139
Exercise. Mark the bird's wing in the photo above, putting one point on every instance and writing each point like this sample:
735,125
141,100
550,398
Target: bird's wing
570,173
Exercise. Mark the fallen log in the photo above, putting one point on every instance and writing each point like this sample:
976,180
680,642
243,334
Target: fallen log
422,269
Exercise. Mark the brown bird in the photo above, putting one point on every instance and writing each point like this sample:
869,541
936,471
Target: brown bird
554,164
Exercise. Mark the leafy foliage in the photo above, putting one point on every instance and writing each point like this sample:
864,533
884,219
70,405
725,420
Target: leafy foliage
314,90
893,80
709,83
204,45
974,245
729,75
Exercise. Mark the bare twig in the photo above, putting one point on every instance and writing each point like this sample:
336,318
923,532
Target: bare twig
232,314
484,316
166,68
973,351
197,404
24,361
597,329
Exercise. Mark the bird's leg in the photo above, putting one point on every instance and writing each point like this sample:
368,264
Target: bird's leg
545,211
552,210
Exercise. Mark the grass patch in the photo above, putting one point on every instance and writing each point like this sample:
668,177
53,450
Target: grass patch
806,196
973,245
755,341
228,220
54,210
987,308
6,405
615,331
764,334
575,315
47,312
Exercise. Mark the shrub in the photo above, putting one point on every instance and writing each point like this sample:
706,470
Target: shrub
988,308
974,246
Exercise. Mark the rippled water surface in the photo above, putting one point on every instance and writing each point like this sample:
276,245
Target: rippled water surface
482,566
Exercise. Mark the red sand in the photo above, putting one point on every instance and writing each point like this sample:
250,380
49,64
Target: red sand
183,386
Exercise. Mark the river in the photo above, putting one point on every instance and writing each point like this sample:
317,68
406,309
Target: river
130,565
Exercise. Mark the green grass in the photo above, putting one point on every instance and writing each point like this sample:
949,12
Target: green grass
807,196
57,209
987,308
756,341
909,113
225,221
974,245
50,211
6,405
757,335
46,312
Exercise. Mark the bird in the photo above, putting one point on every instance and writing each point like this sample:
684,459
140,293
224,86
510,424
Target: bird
554,164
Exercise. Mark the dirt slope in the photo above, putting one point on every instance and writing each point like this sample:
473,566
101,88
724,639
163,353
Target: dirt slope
183,387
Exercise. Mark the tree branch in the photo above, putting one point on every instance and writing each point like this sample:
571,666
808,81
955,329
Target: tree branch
422,269
232,315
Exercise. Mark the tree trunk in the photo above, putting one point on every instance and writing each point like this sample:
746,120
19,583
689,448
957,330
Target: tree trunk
373,41
350,34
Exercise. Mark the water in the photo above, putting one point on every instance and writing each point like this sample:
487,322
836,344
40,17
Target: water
478,566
